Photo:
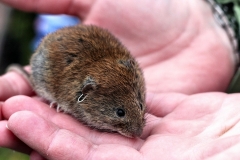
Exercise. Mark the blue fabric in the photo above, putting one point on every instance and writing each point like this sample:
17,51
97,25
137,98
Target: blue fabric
46,24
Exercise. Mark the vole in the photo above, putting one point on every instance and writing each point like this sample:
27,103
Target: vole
90,75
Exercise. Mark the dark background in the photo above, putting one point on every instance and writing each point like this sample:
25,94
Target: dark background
16,35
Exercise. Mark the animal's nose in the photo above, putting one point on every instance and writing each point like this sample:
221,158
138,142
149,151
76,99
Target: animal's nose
137,132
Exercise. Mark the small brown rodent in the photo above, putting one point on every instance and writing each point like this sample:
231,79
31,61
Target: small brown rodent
90,75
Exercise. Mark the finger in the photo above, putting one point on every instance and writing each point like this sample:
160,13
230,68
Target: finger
36,156
80,7
32,120
9,140
164,103
19,103
55,143
12,84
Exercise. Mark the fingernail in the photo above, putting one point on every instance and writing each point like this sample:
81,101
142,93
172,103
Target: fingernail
7,127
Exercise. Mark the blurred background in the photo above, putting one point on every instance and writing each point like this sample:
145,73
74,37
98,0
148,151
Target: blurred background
20,34
16,34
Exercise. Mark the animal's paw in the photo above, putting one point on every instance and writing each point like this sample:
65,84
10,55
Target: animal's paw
56,105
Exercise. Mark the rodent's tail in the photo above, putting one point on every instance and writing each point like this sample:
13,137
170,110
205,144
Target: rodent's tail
20,70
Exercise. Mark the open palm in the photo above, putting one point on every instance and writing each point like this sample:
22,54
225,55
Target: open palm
181,50
193,127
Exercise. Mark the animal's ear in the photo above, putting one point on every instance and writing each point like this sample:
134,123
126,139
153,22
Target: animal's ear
89,84
129,64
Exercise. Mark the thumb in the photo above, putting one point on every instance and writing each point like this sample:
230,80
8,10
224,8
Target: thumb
80,7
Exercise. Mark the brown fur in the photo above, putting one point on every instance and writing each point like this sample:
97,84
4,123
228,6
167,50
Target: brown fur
89,60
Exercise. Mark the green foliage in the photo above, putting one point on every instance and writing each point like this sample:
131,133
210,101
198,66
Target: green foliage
237,12
7,154
236,7
227,1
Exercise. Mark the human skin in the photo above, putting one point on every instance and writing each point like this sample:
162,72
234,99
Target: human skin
199,126
182,51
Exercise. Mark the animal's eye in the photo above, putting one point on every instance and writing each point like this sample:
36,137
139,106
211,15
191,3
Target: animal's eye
120,112
140,105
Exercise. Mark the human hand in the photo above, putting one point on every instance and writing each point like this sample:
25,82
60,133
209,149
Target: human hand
181,49
183,59
12,84
202,126
193,123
